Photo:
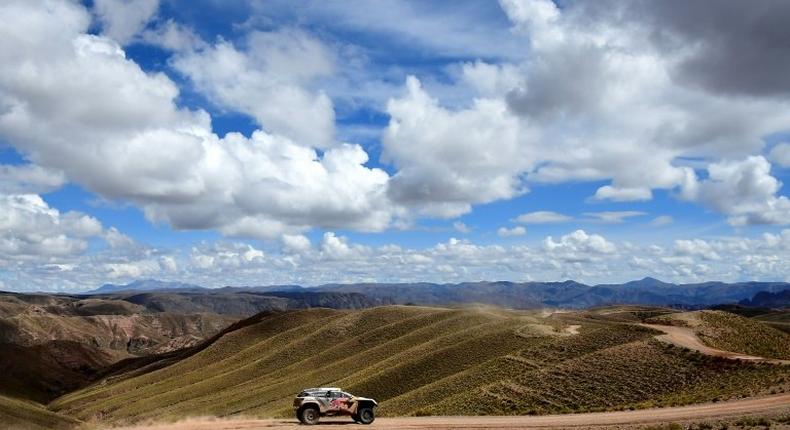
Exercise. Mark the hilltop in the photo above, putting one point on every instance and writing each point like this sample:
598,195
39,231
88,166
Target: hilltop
730,332
422,360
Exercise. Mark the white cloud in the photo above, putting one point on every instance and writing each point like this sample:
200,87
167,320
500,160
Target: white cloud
173,36
448,160
116,239
29,179
696,247
296,243
337,248
266,79
577,255
780,154
662,220
491,79
461,227
541,217
613,217
608,192
116,130
509,232
168,264
744,190
579,244
29,228
124,19
562,125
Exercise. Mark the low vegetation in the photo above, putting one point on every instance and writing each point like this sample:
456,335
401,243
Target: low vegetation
730,332
424,361
18,414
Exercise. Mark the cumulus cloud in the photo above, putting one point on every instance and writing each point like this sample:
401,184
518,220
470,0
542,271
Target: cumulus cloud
780,154
266,79
561,125
172,36
577,255
29,179
96,116
579,245
734,48
696,247
296,243
449,160
123,19
30,228
744,190
542,217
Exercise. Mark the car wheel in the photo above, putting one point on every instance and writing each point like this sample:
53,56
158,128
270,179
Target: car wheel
309,415
366,415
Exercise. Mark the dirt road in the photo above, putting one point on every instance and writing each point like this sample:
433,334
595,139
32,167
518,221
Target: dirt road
686,338
778,404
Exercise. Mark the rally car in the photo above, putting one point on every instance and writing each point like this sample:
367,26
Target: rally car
313,403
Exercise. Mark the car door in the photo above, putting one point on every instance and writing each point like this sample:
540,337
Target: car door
325,399
338,401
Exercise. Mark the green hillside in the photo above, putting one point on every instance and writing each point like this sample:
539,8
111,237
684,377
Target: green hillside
21,415
731,332
418,360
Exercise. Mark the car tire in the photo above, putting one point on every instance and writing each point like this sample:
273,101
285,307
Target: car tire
366,415
309,415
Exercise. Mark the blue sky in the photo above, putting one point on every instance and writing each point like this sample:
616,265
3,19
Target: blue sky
264,142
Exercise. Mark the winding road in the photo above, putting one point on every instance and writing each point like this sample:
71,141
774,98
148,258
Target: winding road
686,338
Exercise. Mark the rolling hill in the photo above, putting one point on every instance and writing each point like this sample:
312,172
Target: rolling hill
18,414
422,360
51,344
730,332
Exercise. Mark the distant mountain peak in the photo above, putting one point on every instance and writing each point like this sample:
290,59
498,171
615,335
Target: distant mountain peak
647,281
144,285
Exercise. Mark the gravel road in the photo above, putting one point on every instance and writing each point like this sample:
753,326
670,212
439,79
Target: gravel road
778,404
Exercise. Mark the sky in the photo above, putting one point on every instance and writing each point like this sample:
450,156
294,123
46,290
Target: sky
260,142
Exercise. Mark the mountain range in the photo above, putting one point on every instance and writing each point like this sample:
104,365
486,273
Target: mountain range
565,294
518,295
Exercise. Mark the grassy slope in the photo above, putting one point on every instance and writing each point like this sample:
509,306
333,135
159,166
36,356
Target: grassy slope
779,320
417,360
21,415
731,332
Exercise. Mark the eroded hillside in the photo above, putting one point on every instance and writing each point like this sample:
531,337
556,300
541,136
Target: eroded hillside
53,344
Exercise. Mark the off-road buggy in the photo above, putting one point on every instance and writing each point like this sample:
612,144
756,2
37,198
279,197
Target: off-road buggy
313,403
